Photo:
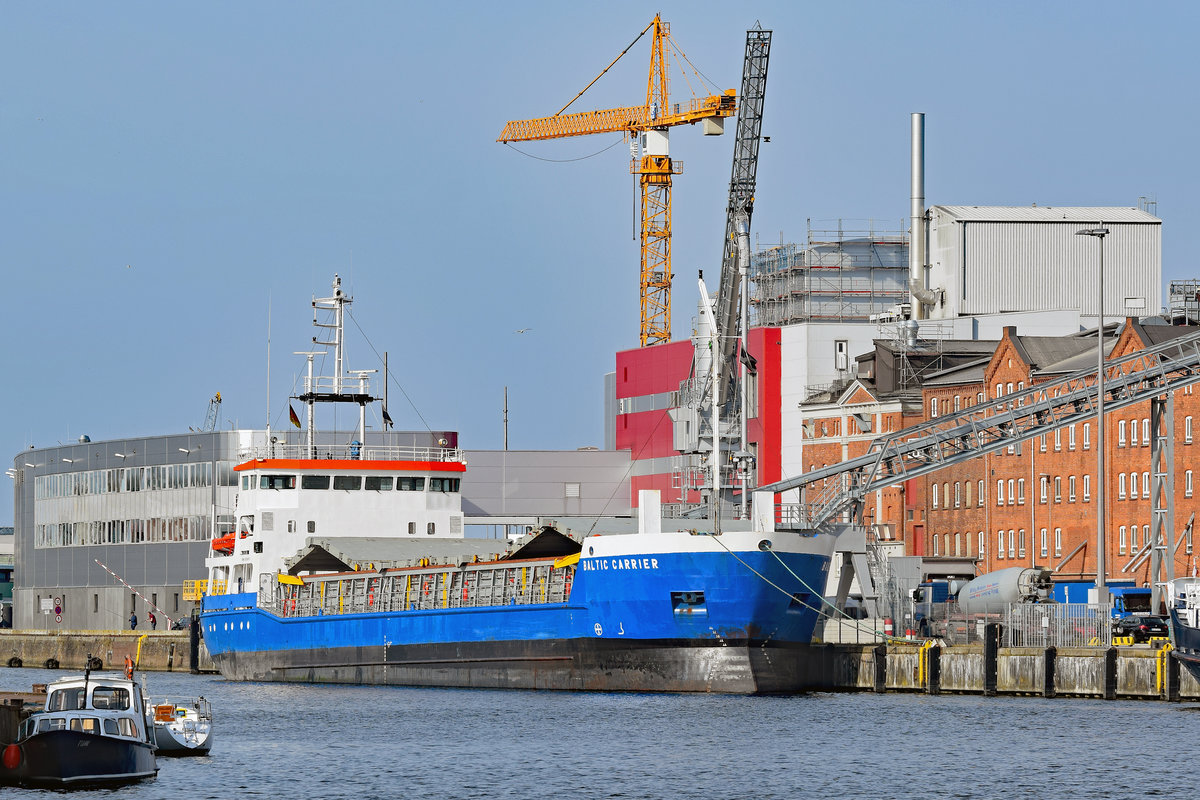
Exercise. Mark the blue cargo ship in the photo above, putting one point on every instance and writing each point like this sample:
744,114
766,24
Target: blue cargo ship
349,564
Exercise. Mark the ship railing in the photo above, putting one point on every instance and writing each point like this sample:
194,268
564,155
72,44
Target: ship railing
353,452
427,588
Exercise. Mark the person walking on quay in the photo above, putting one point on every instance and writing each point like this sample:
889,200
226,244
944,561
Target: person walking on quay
133,620
153,621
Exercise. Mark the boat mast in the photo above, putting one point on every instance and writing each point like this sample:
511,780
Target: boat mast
334,389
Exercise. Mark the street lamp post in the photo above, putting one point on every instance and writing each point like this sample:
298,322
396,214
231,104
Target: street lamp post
1101,589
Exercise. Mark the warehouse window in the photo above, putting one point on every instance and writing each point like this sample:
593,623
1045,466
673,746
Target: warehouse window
980,498
1187,483
1044,542
999,493
1057,439
1121,486
982,545
935,496
1012,544
1021,491
1133,484
1071,489
1133,433
1057,489
1021,543
1012,496
1121,541
1071,438
1087,435
1087,488
1146,484
1121,433
1187,430
1146,432
957,500
1043,487
1058,541
999,544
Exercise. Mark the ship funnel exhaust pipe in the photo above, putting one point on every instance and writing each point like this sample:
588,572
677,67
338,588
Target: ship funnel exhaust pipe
919,295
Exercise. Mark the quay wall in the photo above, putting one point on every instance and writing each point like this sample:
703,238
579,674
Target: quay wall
162,651
1135,673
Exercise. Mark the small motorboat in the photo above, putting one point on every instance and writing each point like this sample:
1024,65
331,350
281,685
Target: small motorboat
91,731
182,727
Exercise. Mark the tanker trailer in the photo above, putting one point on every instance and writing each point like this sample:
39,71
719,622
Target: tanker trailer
992,592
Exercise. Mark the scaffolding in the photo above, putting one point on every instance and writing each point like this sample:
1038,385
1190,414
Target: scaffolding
846,273
1184,302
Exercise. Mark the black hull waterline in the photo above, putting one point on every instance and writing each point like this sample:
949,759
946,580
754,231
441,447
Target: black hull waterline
738,667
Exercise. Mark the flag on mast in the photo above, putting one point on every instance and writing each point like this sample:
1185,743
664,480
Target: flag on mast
292,416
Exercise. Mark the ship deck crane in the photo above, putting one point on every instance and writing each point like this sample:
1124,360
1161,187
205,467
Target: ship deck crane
655,167
729,316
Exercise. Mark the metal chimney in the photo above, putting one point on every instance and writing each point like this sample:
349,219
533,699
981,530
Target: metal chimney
916,241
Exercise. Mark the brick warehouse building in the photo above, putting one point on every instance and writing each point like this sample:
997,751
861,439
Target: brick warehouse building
1034,504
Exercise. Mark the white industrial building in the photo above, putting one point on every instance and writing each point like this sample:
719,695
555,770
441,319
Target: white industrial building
995,259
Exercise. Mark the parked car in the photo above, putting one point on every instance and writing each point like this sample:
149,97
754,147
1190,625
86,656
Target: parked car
1140,626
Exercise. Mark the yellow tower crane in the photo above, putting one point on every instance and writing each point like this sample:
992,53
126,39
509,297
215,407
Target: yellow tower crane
654,168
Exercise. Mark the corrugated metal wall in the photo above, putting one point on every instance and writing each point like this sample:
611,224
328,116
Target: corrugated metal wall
992,267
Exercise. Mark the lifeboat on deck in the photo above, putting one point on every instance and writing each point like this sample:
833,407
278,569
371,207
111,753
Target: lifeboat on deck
224,544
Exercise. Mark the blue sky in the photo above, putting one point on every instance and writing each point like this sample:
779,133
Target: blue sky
170,169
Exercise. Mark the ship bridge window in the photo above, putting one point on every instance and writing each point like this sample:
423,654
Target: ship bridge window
247,483
277,482
110,726
350,482
379,483
86,725
314,481
443,484
411,484
110,697
66,700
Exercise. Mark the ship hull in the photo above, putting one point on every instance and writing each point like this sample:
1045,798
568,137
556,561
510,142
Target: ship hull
657,621
72,758
739,667
1186,643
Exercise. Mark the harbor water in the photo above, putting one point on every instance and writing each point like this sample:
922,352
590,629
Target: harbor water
363,742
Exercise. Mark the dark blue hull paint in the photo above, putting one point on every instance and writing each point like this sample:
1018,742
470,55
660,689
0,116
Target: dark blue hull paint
71,758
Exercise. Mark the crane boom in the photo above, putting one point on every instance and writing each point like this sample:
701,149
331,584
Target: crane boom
742,183
987,427
655,168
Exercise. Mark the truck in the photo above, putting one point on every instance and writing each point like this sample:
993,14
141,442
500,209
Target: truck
992,592
1128,600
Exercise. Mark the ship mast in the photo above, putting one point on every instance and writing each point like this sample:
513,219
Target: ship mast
334,388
